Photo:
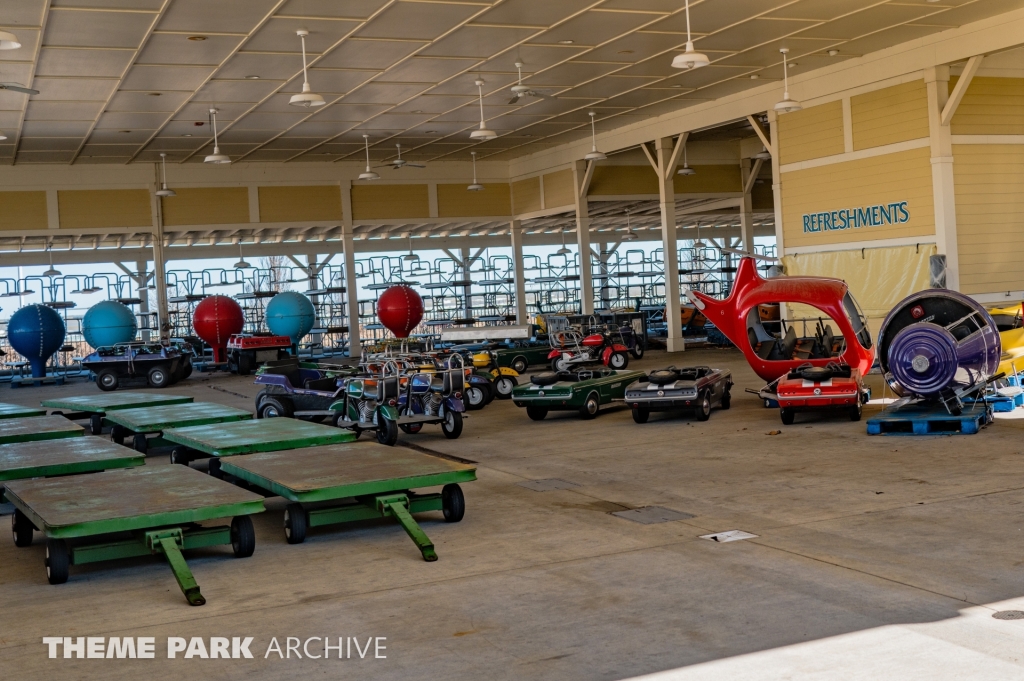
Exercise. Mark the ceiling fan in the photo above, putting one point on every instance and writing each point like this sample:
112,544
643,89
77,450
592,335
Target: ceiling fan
519,90
14,87
399,162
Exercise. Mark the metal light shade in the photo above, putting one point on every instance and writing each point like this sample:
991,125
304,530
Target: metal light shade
475,187
307,99
165,192
217,157
564,250
689,59
788,105
8,41
629,236
482,133
595,156
410,257
762,156
2,136
242,265
369,175
686,170
51,272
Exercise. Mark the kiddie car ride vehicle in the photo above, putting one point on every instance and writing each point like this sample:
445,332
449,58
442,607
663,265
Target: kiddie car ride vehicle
160,365
835,387
584,390
690,388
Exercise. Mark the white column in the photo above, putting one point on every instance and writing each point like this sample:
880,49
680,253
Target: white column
467,291
351,289
314,283
667,201
746,208
773,126
943,186
583,238
159,273
142,280
516,231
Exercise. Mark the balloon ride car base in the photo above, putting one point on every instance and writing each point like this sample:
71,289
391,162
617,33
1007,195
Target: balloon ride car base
93,407
929,419
144,426
348,483
135,512
48,379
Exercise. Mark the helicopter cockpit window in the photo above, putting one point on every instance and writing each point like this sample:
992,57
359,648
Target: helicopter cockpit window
857,319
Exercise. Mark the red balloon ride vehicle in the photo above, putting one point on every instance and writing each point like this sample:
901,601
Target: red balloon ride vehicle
400,310
844,355
215,320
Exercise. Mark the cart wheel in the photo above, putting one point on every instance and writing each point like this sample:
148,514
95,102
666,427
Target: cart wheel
536,413
245,363
140,443
452,425
475,397
590,407
243,536
787,416
387,431
726,400
855,412
504,386
637,352
96,424
118,434
295,523
58,558
520,365
106,380
272,407
489,392
214,468
259,398
453,503
641,415
618,360
411,428
179,455
158,377
21,528
767,403
704,407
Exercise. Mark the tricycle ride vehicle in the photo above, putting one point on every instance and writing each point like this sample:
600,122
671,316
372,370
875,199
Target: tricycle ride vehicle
689,388
584,390
160,365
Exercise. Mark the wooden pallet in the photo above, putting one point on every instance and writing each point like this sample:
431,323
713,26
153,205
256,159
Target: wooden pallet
917,419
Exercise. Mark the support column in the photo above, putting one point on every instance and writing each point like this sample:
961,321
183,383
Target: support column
516,231
467,291
159,273
773,126
667,200
314,283
581,182
943,186
143,280
351,288
747,206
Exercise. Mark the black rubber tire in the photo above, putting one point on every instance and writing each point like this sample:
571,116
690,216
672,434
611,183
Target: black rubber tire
387,431
295,523
179,455
453,503
411,428
590,407
663,376
22,529
95,424
337,418
519,365
544,378
452,425
57,561
107,381
490,392
641,415
245,363
618,361
703,409
536,413
503,387
787,416
158,377
187,371
726,400
140,443
856,411
118,434
273,407
259,397
213,468
637,352
476,398
243,536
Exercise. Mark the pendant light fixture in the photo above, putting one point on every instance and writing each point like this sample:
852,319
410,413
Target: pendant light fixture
164,191
629,235
2,137
308,98
369,174
8,41
594,154
689,59
698,244
241,264
476,186
762,155
50,272
686,169
564,250
410,256
216,157
482,133
787,105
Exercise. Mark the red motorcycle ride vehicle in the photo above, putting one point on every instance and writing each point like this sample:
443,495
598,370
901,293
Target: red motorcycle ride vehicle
570,349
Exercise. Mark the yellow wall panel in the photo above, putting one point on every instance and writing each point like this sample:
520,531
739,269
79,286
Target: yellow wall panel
710,180
454,201
622,180
877,181
99,208
300,204
558,189
811,133
387,201
22,211
991,106
890,115
526,195
989,203
207,206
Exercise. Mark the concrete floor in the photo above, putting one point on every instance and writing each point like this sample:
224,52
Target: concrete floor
862,542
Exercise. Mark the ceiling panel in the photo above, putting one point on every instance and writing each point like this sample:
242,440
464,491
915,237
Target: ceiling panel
422,70
45,156
754,32
312,128
122,136
369,54
425,21
822,10
239,136
199,110
533,12
102,160
466,84
145,101
236,90
867,21
570,73
356,9
151,5
220,16
279,35
129,120
268,121
62,111
23,13
595,27
97,29
162,78
607,87
882,39
350,112
49,143
109,149
385,93
264,66
175,48
54,128
78,62
177,144
478,41
330,80
635,47
714,15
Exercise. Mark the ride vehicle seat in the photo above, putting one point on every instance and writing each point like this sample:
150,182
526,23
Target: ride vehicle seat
320,384
784,350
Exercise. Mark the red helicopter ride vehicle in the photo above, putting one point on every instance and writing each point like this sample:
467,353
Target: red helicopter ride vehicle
571,349
815,371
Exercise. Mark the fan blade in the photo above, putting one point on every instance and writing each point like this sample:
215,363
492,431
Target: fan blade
514,99
414,165
388,165
534,93
18,88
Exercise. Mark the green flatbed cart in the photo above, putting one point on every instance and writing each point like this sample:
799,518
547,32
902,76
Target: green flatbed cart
347,483
93,407
32,428
248,437
135,512
138,424
15,411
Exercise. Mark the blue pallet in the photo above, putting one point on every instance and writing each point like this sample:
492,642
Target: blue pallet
931,419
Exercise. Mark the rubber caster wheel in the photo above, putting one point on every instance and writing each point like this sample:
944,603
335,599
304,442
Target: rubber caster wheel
243,536
787,416
118,434
140,443
58,560
214,468
453,503
179,455
22,529
95,424
295,523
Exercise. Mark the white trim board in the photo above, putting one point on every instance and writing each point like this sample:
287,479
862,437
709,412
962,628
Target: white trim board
987,139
